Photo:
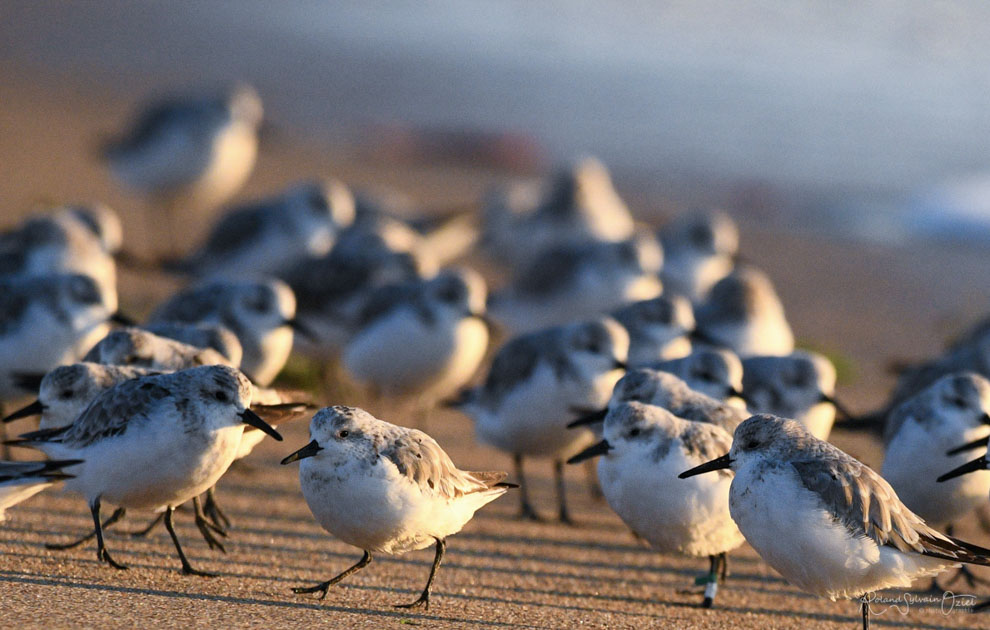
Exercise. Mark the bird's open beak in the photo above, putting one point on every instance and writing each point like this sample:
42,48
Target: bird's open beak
716,464
979,463
307,451
601,448
301,328
589,418
33,409
251,418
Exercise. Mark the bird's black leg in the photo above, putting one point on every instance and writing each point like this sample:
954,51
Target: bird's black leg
116,516
866,614
186,567
724,573
212,509
141,533
205,527
526,510
591,479
102,555
558,475
323,587
710,581
424,598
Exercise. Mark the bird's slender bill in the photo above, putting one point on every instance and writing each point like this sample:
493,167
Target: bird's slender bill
307,451
842,409
33,409
716,464
968,446
601,448
979,463
251,418
122,319
589,418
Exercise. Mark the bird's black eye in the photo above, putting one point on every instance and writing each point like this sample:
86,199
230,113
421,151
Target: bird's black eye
959,402
751,444
634,432
343,433
66,394
220,395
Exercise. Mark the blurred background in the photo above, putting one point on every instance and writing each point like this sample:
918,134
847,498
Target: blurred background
857,119
848,139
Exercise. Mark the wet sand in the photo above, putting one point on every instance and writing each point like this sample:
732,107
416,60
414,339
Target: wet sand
866,304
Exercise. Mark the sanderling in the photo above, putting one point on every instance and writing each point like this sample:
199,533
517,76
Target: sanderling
534,381
426,337
203,335
331,290
666,390
140,348
916,437
743,312
20,481
194,151
406,491
260,312
658,329
579,204
715,372
799,386
826,522
643,449
577,281
269,236
58,242
46,321
699,250
155,442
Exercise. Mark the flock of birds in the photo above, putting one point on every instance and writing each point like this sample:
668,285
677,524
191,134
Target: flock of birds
657,351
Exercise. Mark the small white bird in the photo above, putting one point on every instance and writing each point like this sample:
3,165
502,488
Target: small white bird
331,290
203,335
260,312
535,380
46,321
916,437
668,391
799,386
714,372
136,347
659,329
19,481
644,448
578,281
59,241
744,313
403,491
426,337
271,235
154,443
826,522
578,204
195,152
699,247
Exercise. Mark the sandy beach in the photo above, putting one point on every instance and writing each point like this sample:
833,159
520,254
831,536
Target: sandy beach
863,304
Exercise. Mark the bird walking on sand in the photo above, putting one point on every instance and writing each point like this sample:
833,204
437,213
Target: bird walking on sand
404,491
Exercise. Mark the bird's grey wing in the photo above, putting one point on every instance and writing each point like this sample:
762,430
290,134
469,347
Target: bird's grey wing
420,459
191,305
383,300
513,364
13,305
549,273
113,410
159,118
235,229
864,503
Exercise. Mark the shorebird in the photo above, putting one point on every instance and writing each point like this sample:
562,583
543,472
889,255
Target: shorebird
826,522
426,337
405,492
699,247
744,313
578,281
19,481
155,442
534,381
643,449
659,329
